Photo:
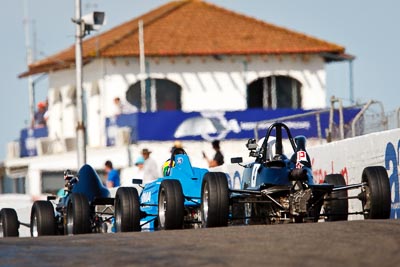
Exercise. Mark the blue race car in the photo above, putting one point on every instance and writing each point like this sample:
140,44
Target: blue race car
170,202
86,207
278,189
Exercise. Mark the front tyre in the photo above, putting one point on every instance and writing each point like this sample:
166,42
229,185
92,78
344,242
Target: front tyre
376,200
170,205
9,223
42,219
78,215
214,200
127,210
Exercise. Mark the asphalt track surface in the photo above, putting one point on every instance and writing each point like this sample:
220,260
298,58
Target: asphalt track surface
353,243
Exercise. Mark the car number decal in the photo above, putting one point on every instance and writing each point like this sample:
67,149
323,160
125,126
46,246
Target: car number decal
146,197
254,175
301,156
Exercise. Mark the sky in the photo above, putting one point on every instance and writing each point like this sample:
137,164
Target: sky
368,29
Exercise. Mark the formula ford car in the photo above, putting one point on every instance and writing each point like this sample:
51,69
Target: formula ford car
277,189
170,202
86,207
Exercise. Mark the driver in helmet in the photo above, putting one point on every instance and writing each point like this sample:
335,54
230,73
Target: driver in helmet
175,150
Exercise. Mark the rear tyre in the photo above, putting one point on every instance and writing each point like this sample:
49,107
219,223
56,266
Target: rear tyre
127,210
214,200
170,205
42,219
336,210
78,215
376,200
9,223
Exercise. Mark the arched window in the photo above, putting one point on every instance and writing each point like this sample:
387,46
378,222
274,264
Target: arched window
274,92
160,94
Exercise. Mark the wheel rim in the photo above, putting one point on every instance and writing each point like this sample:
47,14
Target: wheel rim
366,203
118,215
205,203
326,208
1,228
70,220
247,213
35,232
162,207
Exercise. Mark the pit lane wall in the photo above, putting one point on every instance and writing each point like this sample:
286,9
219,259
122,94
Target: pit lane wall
349,157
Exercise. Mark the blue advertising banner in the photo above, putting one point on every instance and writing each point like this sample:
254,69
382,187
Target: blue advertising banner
113,124
171,125
27,140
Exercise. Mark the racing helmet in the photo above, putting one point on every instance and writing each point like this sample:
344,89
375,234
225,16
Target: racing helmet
165,168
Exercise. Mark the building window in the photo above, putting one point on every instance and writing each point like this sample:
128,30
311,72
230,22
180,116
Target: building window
160,94
51,182
274,92
12,185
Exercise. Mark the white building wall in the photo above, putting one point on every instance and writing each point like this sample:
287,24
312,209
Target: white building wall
93,112
68,94
56,109
207,84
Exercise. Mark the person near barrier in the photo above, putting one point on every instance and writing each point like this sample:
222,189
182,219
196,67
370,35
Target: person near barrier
112,175
218,159
150,168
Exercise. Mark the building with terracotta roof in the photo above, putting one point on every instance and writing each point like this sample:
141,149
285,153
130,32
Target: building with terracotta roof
198,57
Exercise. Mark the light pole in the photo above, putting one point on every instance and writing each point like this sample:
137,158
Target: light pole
80,126
83,25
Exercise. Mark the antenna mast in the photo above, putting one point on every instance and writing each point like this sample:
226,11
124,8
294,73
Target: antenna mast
29,60
142,68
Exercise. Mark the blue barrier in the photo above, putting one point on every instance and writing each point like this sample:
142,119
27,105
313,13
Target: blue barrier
27,140
171,125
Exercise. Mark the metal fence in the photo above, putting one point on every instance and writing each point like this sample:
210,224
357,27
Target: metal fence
371,118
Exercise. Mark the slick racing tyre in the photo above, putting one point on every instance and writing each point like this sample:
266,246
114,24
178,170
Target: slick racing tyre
78,215
214,200
336,210
376,199
42,219
8,223
127,210
170,205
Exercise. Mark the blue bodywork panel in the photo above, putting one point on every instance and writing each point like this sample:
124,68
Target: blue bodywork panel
260,174
273,168
90,184
190,178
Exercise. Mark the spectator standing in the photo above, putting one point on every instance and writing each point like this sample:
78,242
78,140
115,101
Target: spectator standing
177,144
135,172
218,159
40,117
112,175
139,170
150,167
123,108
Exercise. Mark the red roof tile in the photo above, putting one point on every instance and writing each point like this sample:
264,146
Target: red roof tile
182,28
